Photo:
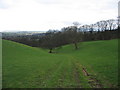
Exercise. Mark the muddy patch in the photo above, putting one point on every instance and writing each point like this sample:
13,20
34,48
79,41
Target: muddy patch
92,80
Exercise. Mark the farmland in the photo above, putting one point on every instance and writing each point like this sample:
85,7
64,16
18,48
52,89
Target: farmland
93,65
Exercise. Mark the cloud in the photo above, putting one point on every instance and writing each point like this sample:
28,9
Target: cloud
6,3
3,4
49,1
53,14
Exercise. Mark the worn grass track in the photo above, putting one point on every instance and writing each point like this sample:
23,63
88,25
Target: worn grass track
28,67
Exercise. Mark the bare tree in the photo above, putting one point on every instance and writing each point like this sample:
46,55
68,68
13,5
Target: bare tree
103,25
98,26
118,22
49,41
110,23
76,24
86,28
91,28
73,35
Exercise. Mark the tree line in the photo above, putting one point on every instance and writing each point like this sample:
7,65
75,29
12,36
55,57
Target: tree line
102,30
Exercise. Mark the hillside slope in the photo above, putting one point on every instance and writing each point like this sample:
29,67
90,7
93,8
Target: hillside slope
28,67
98,56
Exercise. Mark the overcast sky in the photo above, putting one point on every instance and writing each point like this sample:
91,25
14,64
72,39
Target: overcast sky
42,15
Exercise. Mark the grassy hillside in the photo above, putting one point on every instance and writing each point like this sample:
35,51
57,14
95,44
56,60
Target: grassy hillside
100,57
28,67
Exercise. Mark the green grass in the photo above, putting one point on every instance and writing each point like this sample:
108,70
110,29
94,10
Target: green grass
28,67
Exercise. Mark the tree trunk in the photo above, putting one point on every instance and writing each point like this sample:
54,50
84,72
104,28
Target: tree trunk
50,50
118,27
110,28
76,47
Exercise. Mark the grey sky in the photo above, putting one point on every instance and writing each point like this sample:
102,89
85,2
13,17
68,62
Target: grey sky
42,15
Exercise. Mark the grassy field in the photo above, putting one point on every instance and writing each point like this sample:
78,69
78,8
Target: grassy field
95,64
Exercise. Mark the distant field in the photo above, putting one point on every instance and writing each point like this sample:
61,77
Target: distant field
95,64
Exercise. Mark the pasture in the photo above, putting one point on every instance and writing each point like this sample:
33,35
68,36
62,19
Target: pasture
93,65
